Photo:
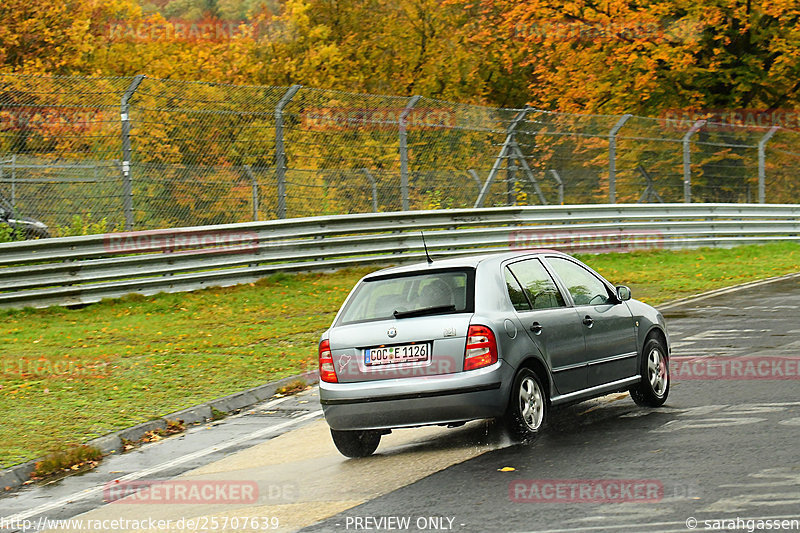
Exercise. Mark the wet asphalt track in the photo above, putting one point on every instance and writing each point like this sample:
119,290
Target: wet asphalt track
720,449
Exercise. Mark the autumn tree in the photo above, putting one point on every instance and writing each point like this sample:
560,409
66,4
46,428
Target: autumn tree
616,55
388,47
57,37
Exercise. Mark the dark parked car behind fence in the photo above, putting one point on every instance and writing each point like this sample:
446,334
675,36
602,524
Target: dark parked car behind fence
21,226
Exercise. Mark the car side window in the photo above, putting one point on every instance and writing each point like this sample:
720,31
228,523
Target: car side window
584,287
518,299
537,283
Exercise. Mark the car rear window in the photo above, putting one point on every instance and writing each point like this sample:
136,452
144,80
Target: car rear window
428,293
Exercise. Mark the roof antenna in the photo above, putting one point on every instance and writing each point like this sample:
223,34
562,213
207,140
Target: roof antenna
430,261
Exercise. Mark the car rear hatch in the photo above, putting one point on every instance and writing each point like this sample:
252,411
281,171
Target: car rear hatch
409,325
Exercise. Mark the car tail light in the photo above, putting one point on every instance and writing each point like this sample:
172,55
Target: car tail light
327,372
481,348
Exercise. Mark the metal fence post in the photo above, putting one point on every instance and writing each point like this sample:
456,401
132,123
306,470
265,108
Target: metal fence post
127,182
374,185
280,152
511,179
477,179
612,157
404,149
762,156
254,186
560,184
687,161
507,144
14,181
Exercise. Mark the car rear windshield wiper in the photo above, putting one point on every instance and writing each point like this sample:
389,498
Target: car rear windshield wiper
425,311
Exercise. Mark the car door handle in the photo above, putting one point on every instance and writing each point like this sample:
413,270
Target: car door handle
536,328
588,321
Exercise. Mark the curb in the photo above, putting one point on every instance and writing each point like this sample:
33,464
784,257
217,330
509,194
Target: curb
725,290
16,476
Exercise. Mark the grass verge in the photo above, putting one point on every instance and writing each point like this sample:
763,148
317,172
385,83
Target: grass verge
73,458
71,375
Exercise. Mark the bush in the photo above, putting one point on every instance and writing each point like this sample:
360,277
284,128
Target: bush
7,234
82,225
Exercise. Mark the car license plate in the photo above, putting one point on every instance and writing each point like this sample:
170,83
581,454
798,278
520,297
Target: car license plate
387,355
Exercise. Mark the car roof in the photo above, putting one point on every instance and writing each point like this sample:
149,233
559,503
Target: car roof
466,261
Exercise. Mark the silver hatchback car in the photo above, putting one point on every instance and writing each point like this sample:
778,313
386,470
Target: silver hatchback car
504,336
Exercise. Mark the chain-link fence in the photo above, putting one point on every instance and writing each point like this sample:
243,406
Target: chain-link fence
148,153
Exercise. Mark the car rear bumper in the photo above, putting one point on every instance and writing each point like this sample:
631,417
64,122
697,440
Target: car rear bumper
417,401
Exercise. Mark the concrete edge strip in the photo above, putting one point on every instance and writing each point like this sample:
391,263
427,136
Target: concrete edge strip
17,475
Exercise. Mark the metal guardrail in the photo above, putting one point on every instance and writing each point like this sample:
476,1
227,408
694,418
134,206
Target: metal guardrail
81,270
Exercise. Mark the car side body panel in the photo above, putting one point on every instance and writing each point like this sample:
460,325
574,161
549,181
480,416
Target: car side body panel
649,321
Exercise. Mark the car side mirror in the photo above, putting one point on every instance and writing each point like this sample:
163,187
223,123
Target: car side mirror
623,293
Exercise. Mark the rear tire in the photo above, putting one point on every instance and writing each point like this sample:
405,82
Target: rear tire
356,443
528,408
653,389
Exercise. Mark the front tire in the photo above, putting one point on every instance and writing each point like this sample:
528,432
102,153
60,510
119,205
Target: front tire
356,443
527,409
653,389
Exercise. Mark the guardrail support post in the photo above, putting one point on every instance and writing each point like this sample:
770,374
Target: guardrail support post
280,152
687,161
127,183
762,156
404,149
612,157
